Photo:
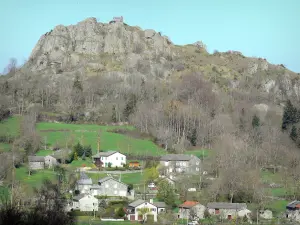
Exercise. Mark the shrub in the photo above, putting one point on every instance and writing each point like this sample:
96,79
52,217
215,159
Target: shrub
120,212
109,165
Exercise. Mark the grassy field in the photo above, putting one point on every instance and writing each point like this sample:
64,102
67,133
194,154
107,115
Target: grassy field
68,134
35,180
87,220
11,126
199,152
4,147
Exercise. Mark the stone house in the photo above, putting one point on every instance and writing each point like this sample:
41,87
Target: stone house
50,161
109,186
180,163
84,184
151,209
113,158
191,210
36,162
228,210
85,203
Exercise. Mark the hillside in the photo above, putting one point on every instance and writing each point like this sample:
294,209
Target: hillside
244,109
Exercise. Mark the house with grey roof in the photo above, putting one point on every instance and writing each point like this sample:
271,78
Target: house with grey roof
153,209
85,203
109,186
228,210
109,158
180,163
84,184
36,162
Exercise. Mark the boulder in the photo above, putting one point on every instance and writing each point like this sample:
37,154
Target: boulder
266,214
149,33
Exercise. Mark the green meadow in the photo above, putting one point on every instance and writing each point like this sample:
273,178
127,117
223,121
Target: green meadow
69,134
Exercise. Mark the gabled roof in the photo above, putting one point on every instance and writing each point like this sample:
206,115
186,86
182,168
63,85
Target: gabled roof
78,197
84,179
188,204
102,180
140,201
109,178
159,204
136,203
105,154
294,204
226,205
176,157
36,159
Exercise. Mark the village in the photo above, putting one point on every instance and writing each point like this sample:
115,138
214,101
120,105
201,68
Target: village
98,198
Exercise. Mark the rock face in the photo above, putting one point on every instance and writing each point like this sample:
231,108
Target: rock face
69,45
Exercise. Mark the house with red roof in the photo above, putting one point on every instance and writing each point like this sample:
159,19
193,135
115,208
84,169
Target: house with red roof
191,210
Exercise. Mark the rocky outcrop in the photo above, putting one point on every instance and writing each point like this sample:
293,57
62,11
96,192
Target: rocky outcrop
72,45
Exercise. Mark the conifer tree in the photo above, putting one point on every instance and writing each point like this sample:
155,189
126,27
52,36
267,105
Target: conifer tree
294,133
289,115
113,116
255,121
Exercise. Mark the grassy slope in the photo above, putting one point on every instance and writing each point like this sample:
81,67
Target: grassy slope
4,147
34,180
9,127
109,141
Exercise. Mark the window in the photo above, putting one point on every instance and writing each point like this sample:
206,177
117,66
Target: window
116,158
154,210
121,158
161,210
183,163
217,211
197,168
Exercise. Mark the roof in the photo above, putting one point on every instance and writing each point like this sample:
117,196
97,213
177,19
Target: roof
104,179
104,154
159,204
140,201
84,179
78,197
176,157
95,186
136,203
36,159
109,178
188,204
293,204
226,205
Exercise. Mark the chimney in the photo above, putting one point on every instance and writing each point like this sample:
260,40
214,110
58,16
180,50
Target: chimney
151,201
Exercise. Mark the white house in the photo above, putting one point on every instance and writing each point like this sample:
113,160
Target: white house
84,184
113,158
110,187
85,203
50,161
140,210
